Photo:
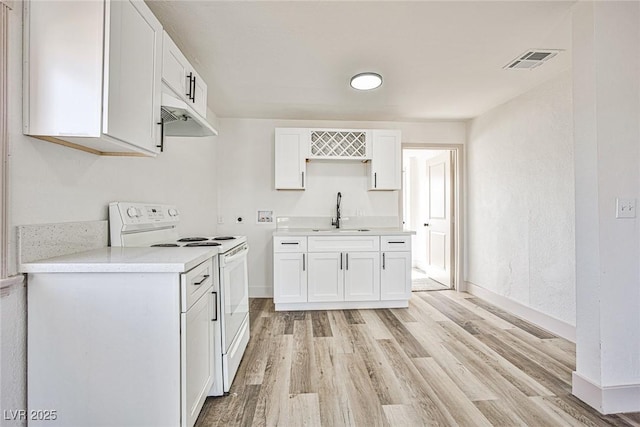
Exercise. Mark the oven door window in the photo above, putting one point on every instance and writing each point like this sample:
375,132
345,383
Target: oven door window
236,303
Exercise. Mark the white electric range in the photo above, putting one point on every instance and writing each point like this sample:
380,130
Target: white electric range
148,224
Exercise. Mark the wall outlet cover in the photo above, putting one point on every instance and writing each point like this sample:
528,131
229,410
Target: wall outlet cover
625,208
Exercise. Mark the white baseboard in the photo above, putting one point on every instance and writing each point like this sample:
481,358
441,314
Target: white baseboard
551,324
607,399
260,292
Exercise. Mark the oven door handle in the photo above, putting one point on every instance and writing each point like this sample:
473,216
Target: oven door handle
242,253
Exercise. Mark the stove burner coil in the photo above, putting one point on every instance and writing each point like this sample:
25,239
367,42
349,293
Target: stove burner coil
166,245
193,239
224,238
203,244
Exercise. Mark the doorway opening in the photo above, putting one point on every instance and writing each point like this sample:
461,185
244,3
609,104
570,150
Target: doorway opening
428,208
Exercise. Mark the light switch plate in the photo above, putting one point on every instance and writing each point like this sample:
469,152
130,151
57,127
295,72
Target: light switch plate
625,208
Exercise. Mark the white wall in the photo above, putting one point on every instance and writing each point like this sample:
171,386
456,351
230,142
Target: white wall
520,200
50,183
246,182
607,135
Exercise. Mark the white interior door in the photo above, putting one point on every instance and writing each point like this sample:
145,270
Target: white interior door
438,224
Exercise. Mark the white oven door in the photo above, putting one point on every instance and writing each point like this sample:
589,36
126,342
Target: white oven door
235,289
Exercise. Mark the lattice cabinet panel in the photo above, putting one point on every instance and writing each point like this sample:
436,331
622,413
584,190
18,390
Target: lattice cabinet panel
339,144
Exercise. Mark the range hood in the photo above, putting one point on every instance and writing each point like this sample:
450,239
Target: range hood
181,120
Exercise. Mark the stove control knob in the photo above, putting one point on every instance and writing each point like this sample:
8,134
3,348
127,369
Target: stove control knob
173,212
132,212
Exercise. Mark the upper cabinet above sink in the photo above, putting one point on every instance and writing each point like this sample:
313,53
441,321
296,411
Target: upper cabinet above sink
381,149
92,73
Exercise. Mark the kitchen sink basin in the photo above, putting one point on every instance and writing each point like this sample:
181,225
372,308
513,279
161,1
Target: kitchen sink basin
333,230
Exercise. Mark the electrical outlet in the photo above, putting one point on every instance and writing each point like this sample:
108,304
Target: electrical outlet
220,219
625,208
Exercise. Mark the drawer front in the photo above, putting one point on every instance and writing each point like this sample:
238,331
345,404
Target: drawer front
195,282
344,244
290,244
395,243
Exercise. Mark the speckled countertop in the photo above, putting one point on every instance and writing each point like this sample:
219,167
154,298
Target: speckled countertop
342,232
123,260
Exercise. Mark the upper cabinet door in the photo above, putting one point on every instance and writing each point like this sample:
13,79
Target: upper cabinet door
133,55
199,95
291,151
182,78
174,67
386,160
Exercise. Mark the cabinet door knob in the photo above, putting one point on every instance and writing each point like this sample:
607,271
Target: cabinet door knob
426,224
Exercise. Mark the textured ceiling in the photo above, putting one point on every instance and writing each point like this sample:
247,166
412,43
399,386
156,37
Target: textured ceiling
293,60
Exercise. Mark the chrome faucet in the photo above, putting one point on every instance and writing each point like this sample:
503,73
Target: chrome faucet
337,220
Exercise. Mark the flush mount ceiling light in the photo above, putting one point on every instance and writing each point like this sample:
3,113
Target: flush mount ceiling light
366,81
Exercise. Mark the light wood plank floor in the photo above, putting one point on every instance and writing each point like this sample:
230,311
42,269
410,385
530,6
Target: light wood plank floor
448,360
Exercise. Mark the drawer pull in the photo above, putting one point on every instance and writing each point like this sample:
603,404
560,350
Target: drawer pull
383,261
290,243
204,278
304,263
392,242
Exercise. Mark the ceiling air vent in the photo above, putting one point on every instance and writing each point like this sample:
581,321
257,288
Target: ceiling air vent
531,59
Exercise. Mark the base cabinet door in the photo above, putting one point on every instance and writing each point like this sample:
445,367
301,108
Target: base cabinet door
362,276
289,277
325,278
197,357
395,280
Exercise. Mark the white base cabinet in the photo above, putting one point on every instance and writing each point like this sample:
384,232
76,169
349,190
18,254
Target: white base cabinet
395,279
341,272
121,349
289,271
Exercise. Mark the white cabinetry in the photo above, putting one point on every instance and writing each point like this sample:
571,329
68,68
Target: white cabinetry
326,277
291,152
386,160
141,342
352,274
341,271
294,146
289,269
182,78
92,75
340,144
395,281
362,276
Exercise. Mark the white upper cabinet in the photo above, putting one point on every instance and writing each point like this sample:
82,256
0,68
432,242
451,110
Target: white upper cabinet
381,149
92,75
385,170
182,78
291,152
